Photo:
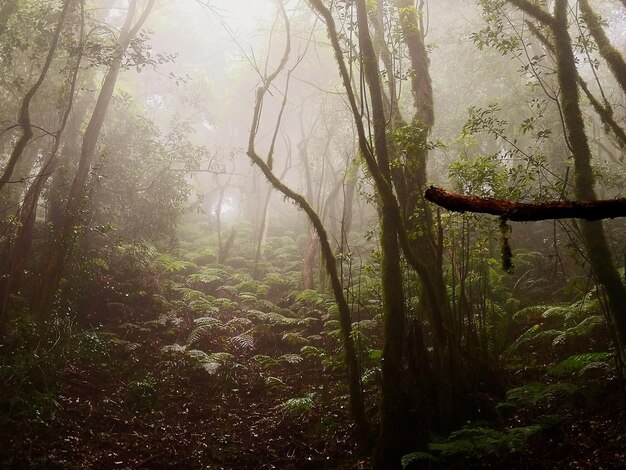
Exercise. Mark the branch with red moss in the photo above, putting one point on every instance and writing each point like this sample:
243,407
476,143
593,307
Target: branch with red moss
527,212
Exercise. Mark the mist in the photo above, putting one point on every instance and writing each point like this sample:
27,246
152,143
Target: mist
312,234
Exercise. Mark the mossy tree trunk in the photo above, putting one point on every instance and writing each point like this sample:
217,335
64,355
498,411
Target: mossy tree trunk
593,234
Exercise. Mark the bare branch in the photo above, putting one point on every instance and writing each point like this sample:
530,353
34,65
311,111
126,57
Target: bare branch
528,212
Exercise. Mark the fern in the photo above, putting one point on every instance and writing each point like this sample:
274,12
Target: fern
533,334
224,304
371,376
208,276
204,305
274,383
211,363
291,358
248,297
471,441
271,318
174,348
584,328
312,297
265,361
204,326
579,363
298,406
239,323
295,339
479,441
312,351
534,393
243,341
190,295
167,263
415,457
331,326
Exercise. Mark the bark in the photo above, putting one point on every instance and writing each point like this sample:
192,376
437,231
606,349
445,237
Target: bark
609,53
528,212
357,406
594,237
395,426
24,115
12,193
394,410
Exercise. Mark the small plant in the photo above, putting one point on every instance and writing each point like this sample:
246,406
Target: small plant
141,394
298,406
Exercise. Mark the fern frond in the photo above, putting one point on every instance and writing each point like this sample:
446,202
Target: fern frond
533,393
265,361
274,383
295,339
204,326
578,362
371,375
584,328
297,406
173,348
312,351
291,358
243,341
415,457
272,318
239,323
166,262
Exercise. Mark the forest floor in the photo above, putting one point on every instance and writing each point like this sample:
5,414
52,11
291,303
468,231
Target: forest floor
189,424
220,371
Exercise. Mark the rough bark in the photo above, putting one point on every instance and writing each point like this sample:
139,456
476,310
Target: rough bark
528,212
6,11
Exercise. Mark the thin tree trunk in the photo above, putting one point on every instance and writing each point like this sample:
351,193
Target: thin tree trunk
594,237
24,116
20,242
60,253
609,53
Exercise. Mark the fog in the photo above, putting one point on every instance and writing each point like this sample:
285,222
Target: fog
312,234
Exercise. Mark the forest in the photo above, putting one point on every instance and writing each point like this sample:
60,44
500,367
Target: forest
312,234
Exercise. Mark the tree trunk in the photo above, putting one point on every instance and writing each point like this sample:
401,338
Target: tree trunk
609,53
24,116
593,232
62,249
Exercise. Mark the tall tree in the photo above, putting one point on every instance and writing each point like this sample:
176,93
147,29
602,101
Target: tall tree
60,251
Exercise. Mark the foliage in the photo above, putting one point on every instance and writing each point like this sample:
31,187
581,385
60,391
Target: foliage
579,363
534,393
478,441
298,406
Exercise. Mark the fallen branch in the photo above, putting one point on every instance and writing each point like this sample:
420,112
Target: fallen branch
526,212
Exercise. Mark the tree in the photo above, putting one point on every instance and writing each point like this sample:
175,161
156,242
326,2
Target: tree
593,234
75,204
